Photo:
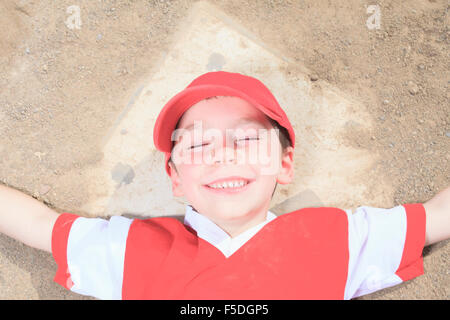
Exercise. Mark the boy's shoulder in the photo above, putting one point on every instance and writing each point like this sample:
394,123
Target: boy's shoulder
313,223
323,215
316,224
161,230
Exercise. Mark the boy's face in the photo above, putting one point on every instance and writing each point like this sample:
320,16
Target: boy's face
222,138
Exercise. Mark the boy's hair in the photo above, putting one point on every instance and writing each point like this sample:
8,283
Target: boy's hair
282,132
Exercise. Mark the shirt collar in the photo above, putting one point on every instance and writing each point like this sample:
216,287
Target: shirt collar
208,230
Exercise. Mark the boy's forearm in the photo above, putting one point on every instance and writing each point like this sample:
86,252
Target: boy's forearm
437,212
26,219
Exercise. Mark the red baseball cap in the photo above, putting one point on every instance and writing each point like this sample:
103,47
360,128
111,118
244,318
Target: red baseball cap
217,83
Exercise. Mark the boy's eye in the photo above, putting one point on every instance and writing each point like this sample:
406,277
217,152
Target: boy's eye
248,138
196,146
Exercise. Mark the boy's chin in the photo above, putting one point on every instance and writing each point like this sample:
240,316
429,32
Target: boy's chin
230,210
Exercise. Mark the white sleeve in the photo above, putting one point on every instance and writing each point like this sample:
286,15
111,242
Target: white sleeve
385,247
95,256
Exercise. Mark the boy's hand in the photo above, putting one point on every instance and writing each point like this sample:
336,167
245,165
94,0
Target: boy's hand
26,219
437,212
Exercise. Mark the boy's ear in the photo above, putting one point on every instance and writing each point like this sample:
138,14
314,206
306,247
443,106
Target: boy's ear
176,181
286,174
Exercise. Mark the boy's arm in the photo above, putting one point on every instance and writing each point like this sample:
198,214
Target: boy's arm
26,219
89,252
437,212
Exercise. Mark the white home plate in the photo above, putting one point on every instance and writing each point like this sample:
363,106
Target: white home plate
131,178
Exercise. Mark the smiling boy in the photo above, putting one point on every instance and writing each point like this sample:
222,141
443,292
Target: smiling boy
222,155
234,209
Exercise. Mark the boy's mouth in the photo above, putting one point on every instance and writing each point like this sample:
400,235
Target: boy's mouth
229,185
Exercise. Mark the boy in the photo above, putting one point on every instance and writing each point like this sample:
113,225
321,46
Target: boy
222,155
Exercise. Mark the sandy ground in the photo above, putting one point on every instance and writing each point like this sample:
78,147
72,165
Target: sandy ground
61,89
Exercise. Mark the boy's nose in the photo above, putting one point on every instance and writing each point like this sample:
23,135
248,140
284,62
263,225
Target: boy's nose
225,152
224,155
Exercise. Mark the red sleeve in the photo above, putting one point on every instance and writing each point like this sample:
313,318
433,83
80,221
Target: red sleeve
60,236
411,264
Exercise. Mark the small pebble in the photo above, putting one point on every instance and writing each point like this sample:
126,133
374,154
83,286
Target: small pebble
99,36
413,88
447,134
314,77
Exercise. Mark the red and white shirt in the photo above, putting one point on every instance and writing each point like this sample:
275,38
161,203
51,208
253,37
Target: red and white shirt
310,253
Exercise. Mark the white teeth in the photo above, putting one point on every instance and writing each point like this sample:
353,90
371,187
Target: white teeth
230,184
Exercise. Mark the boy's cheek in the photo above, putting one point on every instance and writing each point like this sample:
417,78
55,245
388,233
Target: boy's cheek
271,168
268,161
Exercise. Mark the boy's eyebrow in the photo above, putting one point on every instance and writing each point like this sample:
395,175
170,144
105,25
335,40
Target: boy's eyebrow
239,122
